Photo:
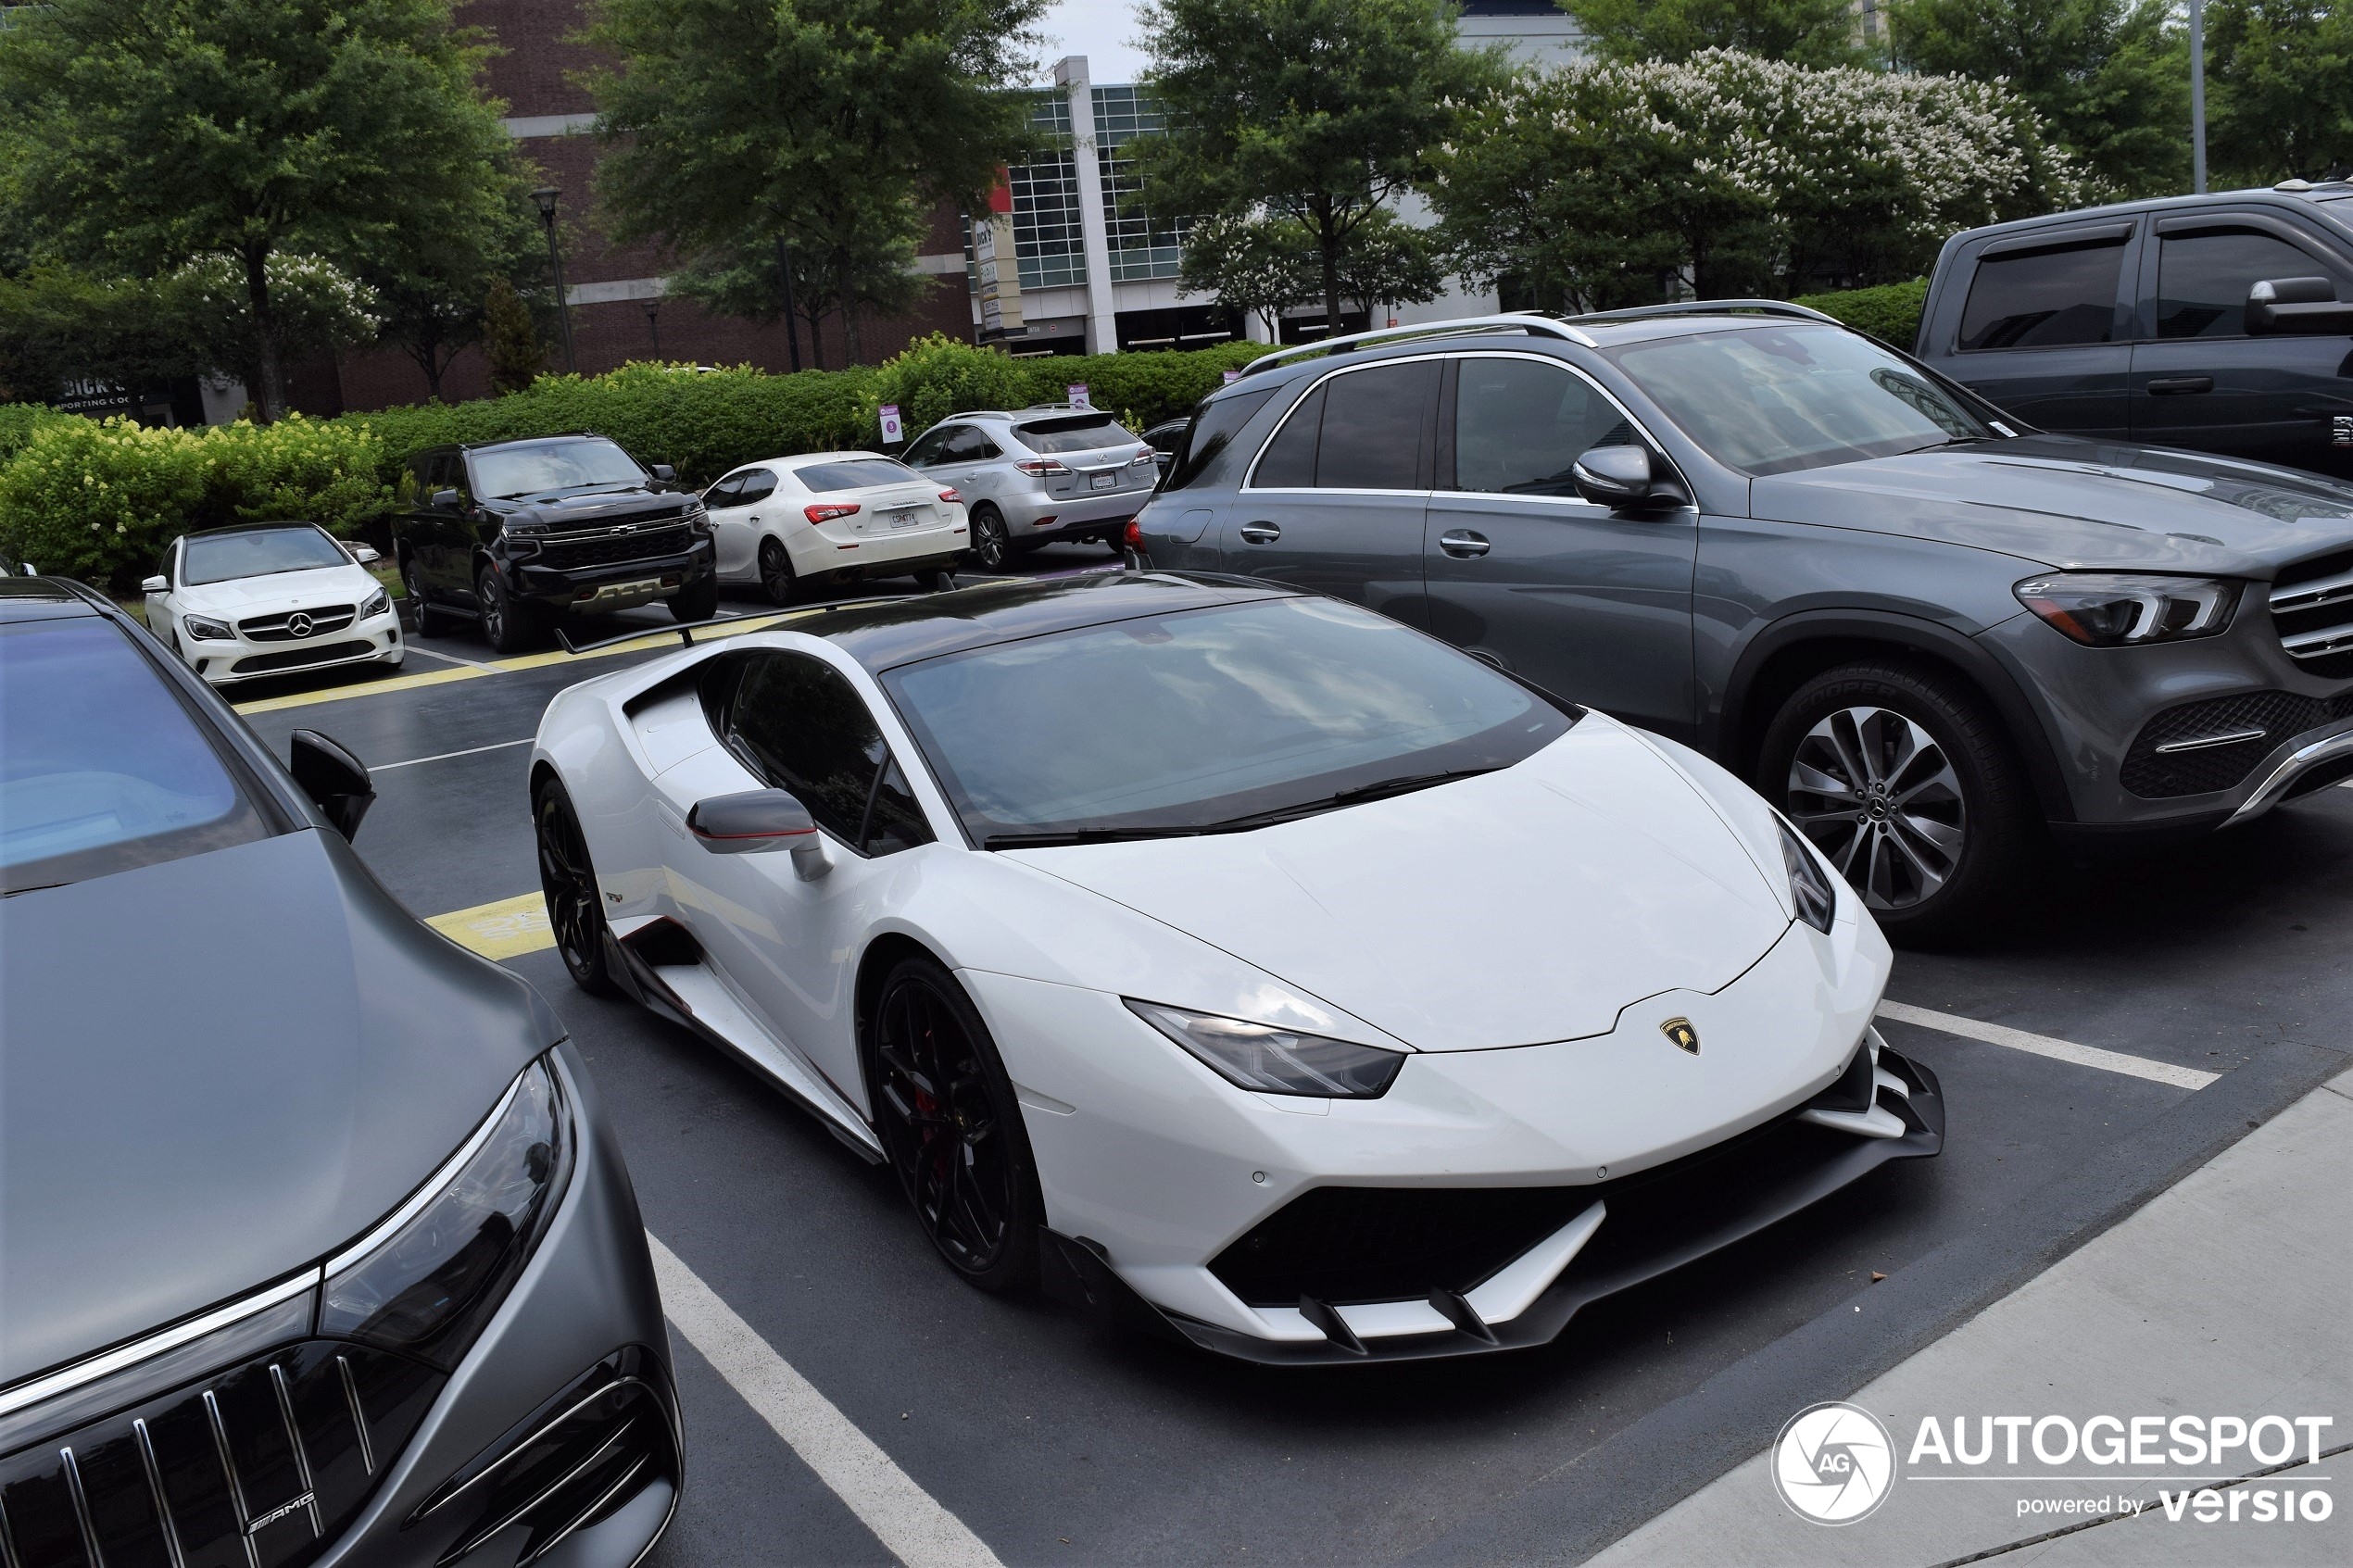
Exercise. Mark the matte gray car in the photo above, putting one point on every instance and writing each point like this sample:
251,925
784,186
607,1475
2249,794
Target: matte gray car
318,1249
1917,625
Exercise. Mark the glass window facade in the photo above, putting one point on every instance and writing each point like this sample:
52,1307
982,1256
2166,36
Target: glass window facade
1141,245
1048,241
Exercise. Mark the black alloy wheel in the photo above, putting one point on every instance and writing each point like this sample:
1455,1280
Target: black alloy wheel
1909,786
992,546
777,579
951,1127
507,626
568,882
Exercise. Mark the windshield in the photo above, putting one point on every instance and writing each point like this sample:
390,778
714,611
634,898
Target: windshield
218,558
1773,399
1079,432
1204,720
101,770
557,465
854,474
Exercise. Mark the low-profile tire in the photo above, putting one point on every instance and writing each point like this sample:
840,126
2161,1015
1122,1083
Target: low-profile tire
1906,780
777,579
509,624
992,547
951,1128
697,601
568,882
428,614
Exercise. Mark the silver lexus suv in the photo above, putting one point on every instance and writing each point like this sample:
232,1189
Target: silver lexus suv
1043,473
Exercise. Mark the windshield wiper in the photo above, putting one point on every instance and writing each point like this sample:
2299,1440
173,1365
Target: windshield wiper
1051,838
1356,794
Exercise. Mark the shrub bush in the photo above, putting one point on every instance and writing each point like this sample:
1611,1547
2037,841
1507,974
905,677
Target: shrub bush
18,420
938,376
1890,312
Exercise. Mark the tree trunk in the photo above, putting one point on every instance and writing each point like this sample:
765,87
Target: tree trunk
816,339
271,394
843,281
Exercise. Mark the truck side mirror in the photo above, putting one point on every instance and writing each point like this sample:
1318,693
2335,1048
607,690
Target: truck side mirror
664,472
2305,306
446,500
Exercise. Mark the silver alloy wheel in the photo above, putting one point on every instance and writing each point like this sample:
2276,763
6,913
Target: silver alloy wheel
1878,795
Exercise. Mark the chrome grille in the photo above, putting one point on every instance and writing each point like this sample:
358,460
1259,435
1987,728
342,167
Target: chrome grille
2313,609
276,628
262,1464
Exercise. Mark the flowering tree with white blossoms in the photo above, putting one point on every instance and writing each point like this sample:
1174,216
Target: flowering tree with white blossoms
1601,184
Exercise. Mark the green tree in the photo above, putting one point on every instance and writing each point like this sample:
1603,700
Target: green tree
511,340
845,265
2109,77
431,284
834,124
1320,111
60,327
2280,89
1806,32
1261,264
146,133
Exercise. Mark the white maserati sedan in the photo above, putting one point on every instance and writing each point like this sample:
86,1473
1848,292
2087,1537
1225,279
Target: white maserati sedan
270,598
1230,958
826,519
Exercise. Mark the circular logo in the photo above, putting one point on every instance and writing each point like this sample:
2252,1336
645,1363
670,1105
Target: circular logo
1834,1464
299,624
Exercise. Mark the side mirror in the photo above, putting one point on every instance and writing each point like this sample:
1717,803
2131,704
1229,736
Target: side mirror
446,500
155,585
1619,477
336,780
760,820
2296,305
664,472
365,555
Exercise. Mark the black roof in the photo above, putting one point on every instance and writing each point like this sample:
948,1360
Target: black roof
251,527
889,632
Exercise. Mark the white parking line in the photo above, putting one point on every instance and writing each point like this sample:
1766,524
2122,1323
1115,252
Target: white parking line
450,657
445,755
905,1518
2043,1045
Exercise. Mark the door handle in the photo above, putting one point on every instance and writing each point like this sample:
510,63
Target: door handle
1463,545
1259,533
2174,387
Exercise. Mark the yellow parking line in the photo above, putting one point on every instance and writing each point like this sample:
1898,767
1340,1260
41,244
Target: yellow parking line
506,929
365,688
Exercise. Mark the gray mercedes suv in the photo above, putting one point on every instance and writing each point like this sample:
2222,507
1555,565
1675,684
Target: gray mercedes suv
1920,627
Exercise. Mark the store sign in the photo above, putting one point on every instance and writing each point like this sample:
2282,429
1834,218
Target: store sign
1078,391
998,272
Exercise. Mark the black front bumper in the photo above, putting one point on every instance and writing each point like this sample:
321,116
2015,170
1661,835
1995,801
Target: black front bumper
577,588
1657,1221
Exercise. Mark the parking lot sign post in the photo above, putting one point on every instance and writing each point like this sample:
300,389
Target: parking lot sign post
892,431
1078,391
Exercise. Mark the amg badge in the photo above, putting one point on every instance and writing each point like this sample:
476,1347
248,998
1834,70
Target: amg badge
1680,1030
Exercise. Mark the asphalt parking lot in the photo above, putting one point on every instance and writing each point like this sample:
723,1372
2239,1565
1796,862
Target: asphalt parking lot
1055,1440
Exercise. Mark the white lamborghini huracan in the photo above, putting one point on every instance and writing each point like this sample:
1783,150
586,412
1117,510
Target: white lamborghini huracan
1231,957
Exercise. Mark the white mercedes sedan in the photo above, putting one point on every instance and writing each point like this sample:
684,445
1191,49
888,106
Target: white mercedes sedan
1231,958
828,519
271,599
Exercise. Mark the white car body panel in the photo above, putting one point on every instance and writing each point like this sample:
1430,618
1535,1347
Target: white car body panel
901,522
255,598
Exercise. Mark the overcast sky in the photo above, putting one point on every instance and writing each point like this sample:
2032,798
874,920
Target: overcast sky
1101,29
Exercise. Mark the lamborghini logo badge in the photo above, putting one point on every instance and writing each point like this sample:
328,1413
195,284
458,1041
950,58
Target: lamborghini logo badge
1680,1030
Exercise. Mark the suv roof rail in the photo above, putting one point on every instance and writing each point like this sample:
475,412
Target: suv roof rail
1536,325
1710,308
512,440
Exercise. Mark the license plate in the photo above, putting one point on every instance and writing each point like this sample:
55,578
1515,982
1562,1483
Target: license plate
1102,481
901,520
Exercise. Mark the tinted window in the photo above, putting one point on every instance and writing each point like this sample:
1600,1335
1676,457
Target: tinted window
1171,722
854,474
758,484
1375,428
728,491
928,447
1290,462
895,821
965,444
1767,400
551,466
1079,432
2202,279
803,727
1520,426
2044,298
1203,438
218,558
101,770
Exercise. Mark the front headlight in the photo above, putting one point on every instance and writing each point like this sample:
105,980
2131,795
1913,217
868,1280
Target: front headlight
1810,889
426,1280
1275,1061
207,630
697,517
379,603
2112,609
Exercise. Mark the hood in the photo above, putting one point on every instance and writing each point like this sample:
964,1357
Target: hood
1524,906
218,1070
2065,503
596,508
280,590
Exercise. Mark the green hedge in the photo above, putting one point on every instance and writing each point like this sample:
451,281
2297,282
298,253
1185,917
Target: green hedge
1890,312
18,420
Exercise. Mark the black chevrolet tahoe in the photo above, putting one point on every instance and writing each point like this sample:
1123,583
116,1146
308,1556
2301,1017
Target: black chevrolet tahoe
515,533
2217,322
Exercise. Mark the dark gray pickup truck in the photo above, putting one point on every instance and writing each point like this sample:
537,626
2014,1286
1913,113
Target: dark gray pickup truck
2217,322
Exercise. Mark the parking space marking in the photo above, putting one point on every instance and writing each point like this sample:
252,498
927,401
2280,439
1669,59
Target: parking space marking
445,755
364,689
508,929
448,658
906,1519
2044,1045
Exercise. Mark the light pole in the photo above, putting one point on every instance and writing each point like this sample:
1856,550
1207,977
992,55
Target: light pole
546,197
2198,97
653,323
